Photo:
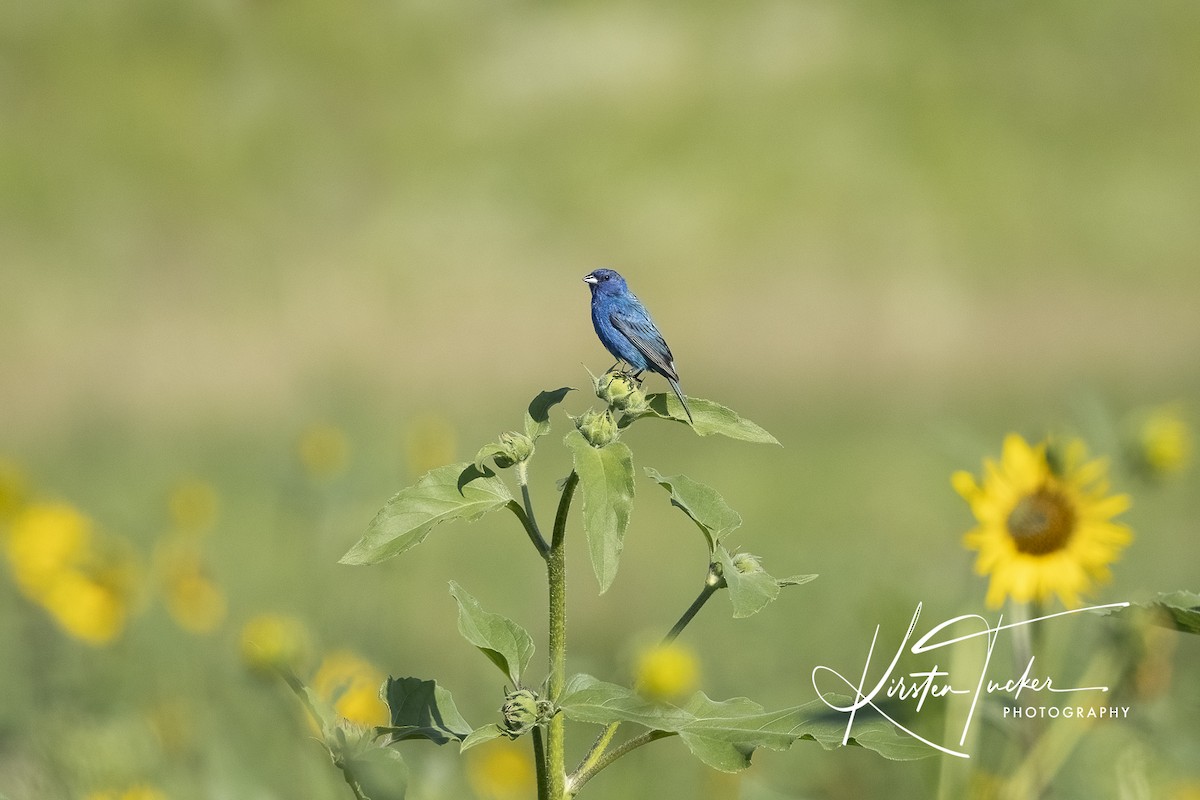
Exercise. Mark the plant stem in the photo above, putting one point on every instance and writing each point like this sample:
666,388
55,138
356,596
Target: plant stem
539,760
535,533
711,584
352,782
594,755
579,779
556,573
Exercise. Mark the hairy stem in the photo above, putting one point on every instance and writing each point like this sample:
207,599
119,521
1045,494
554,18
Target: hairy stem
556,572
539,761
595,754
579,779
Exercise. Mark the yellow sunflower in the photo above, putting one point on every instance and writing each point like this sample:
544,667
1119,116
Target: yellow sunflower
1045,527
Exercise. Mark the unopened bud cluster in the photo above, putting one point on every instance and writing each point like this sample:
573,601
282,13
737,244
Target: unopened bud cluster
523,711
517,448
746,563
598,427
621,392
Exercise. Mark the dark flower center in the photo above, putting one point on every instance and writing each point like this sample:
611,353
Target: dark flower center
1041,522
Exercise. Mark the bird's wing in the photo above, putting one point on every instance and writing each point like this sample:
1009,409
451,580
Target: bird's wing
649,342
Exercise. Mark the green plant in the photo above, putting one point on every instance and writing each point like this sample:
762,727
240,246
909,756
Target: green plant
722,734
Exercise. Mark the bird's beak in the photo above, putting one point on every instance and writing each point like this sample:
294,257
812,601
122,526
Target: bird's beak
590,278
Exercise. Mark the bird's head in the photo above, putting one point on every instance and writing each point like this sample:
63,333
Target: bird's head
605,281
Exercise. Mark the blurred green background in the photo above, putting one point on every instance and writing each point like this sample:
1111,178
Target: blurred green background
887,232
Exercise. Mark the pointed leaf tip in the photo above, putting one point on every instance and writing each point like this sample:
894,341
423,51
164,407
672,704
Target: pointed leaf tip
537,416
703,505
708,418
455,491
504,642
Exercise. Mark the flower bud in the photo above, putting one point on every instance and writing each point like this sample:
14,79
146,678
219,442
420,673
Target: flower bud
745,563
520,712
517,448
598,427
620,391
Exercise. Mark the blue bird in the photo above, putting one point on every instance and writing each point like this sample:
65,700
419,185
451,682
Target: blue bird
626,330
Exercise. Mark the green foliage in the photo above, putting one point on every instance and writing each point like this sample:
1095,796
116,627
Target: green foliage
421,709
504,642
606,483
702,504
724,734
707,418
372,772
537,416
455,491
751,588
1177,610
484,733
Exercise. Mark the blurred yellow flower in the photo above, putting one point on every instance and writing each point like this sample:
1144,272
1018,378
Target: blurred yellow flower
44,540
324,451
134,793
351,685
86,609
1043,531
1162,441
667,671
193,599
87,583
273,641
431,443
13,489
500,770
193,506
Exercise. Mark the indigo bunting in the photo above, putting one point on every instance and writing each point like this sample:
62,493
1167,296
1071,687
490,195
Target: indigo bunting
626,330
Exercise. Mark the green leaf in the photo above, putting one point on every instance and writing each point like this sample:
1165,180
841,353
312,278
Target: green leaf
455,491
375,772
796,580
750,592
320,711
707,418
588,699
422,710
507,644
537,417
481,735
490,450
606,483
379,773
724,734
706,508
1178,610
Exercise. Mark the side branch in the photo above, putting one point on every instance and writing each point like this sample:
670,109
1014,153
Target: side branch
596,754
579,779
530,526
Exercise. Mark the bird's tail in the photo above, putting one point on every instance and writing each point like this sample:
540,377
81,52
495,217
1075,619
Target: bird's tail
679,393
